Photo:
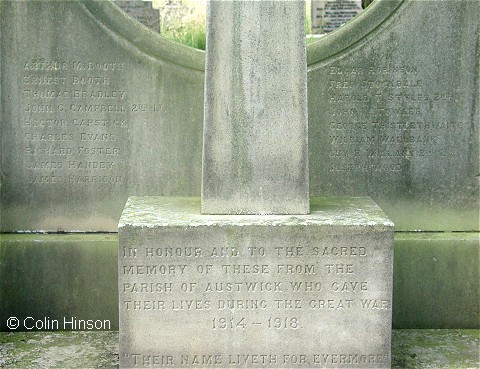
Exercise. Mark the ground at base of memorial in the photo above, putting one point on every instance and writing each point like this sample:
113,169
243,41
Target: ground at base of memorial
411,349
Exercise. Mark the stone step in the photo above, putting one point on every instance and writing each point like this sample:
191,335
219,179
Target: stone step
411,349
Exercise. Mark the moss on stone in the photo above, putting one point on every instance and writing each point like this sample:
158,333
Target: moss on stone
59,350
411,349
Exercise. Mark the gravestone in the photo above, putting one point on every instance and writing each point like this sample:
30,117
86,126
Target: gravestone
233,286
328,15
142,11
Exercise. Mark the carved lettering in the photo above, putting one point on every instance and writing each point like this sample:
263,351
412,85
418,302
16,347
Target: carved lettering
383,113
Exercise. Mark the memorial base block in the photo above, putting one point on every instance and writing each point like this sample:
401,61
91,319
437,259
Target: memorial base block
266,291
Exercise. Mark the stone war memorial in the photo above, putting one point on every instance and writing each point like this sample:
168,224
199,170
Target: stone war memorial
264,203
260,277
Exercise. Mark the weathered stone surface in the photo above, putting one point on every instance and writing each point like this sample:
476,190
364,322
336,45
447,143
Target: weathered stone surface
411,349
435,278
394,112
422,185
90,100
59,350
292,289
57,277
255,154
142,11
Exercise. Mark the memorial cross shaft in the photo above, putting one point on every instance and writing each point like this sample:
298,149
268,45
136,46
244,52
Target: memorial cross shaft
247,283
255,153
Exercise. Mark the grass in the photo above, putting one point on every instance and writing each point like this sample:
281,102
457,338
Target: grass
187,25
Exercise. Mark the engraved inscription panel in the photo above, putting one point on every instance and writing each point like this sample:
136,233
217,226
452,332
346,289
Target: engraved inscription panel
388,132
87,120
255,296
73,120
390,119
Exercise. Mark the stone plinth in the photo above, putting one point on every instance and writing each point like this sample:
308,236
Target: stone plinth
255,290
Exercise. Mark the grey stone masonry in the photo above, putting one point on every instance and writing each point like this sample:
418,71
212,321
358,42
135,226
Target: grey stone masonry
255,291
96,108
255,153
142,11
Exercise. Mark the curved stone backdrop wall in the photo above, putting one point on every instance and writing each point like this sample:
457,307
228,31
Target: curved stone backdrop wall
96,108
394,115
